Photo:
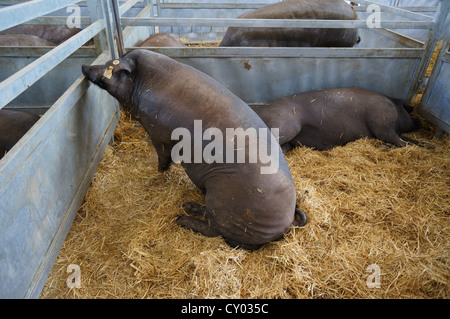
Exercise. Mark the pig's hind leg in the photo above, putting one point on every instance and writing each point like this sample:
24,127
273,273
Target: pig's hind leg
418,143
386,134
392,138
194,221
202,226
197,225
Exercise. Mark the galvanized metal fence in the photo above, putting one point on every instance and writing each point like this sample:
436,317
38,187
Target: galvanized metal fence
44,178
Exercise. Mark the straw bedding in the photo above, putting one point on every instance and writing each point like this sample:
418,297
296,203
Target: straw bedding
366,203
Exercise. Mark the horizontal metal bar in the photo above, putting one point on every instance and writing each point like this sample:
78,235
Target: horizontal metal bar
36,52
127,6
397,11
174,5
223,5
20,13
246,52
274,23
218,6
62,20
400,38
420,9
79,3
178,5
20,81
34,109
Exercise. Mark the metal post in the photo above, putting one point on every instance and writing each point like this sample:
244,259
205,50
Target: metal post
118,27
152,14
95,13
432,39
158,7
108,27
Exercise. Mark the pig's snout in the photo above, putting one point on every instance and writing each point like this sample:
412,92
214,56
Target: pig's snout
85,70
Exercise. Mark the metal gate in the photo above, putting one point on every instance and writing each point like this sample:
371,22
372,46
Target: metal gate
45,176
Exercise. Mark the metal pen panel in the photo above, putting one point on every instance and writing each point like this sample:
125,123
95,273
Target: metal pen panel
20,81
20,13
45,176
248,77
43,180
273,23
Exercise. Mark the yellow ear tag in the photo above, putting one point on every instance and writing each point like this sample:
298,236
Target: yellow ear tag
108,73
115,62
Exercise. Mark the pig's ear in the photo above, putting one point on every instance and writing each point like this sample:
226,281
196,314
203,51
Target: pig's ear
124,64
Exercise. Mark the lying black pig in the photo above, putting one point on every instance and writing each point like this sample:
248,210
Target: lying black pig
326,118
55,34
14,125
161,40
295,37
22,40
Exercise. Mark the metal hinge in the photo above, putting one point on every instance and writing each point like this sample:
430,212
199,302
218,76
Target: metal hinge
423,82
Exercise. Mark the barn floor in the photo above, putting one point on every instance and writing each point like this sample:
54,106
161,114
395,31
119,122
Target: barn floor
366,203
